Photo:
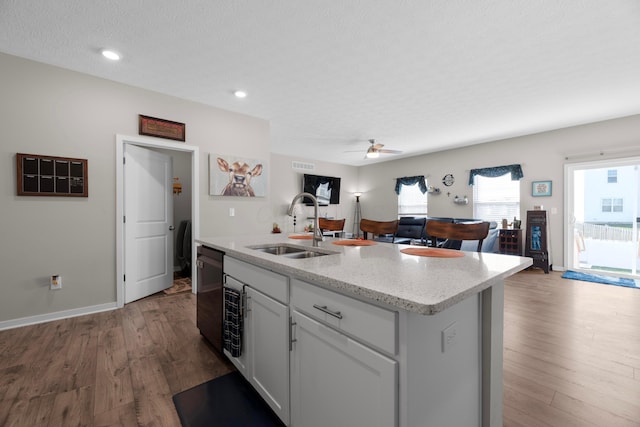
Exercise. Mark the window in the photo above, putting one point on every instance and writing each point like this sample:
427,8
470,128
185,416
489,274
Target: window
612,205
496,198
612,176
411,201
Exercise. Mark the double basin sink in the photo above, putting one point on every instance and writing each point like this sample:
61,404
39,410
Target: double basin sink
291,251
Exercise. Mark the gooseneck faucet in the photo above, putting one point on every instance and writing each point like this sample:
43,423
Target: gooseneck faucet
317,233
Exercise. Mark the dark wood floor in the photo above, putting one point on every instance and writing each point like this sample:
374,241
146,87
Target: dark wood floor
572,358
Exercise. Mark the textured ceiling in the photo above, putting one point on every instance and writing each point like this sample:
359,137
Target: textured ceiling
418,76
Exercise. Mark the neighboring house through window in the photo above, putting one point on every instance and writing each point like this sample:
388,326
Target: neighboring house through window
612,205
496,198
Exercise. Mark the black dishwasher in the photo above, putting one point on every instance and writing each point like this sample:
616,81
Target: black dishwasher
209,295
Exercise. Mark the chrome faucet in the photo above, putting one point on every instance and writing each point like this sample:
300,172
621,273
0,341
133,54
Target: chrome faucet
317,233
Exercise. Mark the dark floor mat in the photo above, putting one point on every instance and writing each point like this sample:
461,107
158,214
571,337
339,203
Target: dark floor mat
226,401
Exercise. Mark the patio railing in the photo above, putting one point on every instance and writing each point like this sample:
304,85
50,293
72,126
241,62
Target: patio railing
604,232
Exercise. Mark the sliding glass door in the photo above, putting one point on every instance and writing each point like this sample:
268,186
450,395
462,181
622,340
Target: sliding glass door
602,214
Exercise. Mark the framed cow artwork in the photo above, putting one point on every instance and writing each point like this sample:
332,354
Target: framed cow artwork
236,176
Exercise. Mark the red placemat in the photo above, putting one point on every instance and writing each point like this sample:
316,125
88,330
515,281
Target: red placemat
433,252
301,236
354,242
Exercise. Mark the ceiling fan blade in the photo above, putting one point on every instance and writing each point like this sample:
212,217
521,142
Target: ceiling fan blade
389,151
378,146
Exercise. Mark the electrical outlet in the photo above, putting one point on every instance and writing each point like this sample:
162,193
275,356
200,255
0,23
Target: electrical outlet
56,282
449,337
232,212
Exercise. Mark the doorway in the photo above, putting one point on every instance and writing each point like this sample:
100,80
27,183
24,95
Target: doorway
602,214
167,147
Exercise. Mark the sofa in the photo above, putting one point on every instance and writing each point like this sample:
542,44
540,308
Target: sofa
409,229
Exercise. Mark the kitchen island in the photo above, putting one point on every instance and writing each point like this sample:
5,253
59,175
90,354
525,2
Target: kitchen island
368,335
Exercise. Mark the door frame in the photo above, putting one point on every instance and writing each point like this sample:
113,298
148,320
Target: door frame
569,186
150,142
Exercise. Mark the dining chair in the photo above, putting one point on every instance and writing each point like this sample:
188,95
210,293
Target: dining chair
458,231
330,224
378,227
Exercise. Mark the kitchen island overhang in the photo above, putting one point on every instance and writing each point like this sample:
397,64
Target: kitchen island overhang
381,273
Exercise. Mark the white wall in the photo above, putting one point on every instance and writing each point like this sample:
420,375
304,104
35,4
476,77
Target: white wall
50,111
287,182
542,157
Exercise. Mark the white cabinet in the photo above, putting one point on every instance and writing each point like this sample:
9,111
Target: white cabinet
336,381
375,326
339,374
267,339
330,364
264,360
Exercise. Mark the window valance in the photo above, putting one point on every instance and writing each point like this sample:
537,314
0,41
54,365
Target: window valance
515,170
411,180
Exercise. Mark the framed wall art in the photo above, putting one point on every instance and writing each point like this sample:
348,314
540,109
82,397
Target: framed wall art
51,176
152,126
236,176
541,188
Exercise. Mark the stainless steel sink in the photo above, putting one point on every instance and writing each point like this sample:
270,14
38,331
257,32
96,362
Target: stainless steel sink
305,254
279,249
290,251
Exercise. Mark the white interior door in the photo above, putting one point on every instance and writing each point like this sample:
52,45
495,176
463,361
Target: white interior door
148,222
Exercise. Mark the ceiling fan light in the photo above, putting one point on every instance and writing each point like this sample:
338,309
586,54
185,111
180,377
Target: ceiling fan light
372,154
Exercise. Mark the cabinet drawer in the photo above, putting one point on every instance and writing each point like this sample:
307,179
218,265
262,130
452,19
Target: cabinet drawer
371,324
269,283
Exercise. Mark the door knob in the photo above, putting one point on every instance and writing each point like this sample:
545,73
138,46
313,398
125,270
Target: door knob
171,228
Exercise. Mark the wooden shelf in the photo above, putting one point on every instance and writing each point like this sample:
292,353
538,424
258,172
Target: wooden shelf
510,241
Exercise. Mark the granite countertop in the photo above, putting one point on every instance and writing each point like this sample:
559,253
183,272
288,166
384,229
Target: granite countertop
381,273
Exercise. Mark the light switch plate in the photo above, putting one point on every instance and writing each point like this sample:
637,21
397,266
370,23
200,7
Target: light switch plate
449,337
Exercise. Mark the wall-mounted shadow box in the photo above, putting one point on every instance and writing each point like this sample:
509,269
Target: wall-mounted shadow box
51,176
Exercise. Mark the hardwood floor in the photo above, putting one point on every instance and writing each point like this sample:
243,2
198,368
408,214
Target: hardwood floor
572,352
118,368
571,358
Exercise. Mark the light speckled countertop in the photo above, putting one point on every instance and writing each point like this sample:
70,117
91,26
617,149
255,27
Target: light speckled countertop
381,273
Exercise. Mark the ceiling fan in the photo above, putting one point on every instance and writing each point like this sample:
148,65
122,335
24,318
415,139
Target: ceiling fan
376,149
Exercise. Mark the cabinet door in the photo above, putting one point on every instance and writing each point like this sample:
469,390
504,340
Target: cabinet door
267,338
336,381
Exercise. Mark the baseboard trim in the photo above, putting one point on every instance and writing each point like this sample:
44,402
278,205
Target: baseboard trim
58,315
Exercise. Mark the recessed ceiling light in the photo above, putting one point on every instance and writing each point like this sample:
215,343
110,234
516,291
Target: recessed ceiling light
240,94
109,54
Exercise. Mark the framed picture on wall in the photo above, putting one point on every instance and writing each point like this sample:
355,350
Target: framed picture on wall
153,126
236,176
541,188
